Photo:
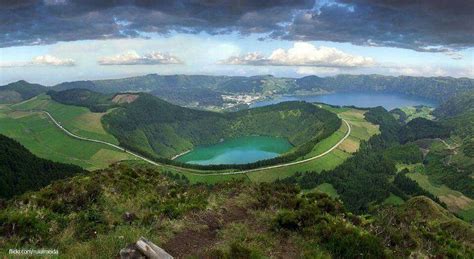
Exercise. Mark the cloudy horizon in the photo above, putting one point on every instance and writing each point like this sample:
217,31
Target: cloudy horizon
53,41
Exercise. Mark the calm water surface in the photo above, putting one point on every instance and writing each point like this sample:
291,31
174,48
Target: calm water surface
241,150
366,99
254,148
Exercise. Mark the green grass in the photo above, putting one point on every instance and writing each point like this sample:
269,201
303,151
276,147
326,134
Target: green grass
194,176
393,200
456,201
328,189
44,139
39,135
78,120
418,112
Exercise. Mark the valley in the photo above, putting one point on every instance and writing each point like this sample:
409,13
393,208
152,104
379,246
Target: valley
78,121
42,137
236,129
323,149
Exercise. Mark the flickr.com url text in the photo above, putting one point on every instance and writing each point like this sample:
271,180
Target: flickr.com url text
37,252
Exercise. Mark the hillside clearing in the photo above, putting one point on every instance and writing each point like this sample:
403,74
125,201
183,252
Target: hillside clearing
39,135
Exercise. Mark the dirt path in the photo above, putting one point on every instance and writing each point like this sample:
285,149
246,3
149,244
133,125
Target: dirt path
195,242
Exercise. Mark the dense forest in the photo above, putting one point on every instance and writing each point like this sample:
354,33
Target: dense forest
151,125
21,171
419,128
436,88
104,211
458,114
447,165
364,179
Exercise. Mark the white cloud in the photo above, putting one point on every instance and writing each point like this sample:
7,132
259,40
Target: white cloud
133,58
302,54
49,60
44,60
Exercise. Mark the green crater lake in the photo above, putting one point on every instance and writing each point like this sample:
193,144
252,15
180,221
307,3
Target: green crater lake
240,150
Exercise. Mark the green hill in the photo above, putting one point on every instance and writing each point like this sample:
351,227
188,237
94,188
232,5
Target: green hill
103,211
435,88
458,114
420,128
207,90
151,125
21,171
96,102
19,91
421,227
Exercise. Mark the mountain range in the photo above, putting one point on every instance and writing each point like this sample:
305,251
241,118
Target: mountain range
204,91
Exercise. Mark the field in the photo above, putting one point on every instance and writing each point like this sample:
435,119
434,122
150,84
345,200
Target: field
456,201
39,135
44,139
413,112
325,188
78,120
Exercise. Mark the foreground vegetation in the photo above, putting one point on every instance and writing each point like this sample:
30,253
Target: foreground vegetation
101,212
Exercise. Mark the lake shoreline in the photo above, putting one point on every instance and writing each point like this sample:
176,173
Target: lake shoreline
388,100
181,154
239,150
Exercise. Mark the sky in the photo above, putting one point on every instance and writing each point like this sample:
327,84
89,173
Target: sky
52,41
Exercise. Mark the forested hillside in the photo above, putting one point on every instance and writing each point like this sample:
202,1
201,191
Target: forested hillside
19,91
151,125
104,211
21,171
204,91
458,114
365,179
183,89
96,102
436,88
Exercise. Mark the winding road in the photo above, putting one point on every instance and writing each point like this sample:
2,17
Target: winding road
200,174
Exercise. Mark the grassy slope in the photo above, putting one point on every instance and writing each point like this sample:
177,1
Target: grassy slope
84,217
418,112
49,142
456,201
394,200
36,132
78,120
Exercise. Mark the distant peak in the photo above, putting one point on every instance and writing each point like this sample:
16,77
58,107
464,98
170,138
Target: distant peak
22,82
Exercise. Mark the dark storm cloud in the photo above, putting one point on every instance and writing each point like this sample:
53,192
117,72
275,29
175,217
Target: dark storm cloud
431,25
417,25
30,22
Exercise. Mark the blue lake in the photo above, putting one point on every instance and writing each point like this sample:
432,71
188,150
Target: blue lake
360,99
240,150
